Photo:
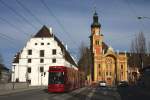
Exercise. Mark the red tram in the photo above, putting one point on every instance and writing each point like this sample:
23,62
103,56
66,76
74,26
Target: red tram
63,79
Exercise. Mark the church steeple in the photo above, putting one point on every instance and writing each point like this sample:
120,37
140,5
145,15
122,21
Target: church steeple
95,21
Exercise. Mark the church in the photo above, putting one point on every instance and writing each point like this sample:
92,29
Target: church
107,65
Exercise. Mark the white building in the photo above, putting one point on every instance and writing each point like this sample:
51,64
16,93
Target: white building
31,64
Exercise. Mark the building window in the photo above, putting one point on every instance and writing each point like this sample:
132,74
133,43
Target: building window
48,43
29,60
29,70
106,73
41,60
53,60
41,69
110,73
35,43
121,66
97,42
41,53
54,51
99,65
99,73
42,43
30,52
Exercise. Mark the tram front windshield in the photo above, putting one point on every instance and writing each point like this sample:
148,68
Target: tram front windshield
56,77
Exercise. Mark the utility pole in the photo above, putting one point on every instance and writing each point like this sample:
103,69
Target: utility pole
13,78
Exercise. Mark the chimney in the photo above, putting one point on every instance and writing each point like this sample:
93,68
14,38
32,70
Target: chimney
50,30
66,47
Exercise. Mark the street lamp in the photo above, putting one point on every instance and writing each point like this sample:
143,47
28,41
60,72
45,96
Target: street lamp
143,17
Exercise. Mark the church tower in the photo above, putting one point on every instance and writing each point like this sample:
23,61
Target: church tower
96,40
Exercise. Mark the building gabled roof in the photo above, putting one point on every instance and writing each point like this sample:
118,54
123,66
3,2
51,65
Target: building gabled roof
66,54
16,58
43,32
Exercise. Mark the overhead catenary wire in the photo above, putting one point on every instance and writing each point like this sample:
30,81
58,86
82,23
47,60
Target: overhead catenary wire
27,10
135,15
18,14
13,26
59,22
134,12
11,41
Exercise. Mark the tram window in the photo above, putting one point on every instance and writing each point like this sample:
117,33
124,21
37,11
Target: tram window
56,78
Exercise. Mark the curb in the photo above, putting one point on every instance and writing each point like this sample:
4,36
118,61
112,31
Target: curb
7,92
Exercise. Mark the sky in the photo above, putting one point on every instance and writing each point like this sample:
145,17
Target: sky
71,20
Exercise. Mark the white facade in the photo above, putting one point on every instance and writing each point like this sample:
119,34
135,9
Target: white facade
30,61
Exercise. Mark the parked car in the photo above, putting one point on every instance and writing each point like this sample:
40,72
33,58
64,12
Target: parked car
102,83
123,84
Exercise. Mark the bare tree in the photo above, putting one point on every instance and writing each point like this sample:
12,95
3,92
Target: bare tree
85,59
1,65
138,49
1,59
149,47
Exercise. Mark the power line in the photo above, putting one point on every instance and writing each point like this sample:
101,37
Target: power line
18,14
12,25
58,21
134,12
7,36
27,10
10,40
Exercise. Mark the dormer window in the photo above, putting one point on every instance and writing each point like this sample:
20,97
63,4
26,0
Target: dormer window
42,43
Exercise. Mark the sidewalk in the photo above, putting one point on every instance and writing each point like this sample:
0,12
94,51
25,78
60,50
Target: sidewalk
5,92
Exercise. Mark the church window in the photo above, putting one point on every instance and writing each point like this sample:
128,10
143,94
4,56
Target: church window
99,65
121,66
99,73
35,43
48,43
106,73
110,73
97,42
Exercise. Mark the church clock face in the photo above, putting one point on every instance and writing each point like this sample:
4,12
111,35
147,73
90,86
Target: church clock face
97,33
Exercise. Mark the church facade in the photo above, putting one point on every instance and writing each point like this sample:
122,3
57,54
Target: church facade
107,65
